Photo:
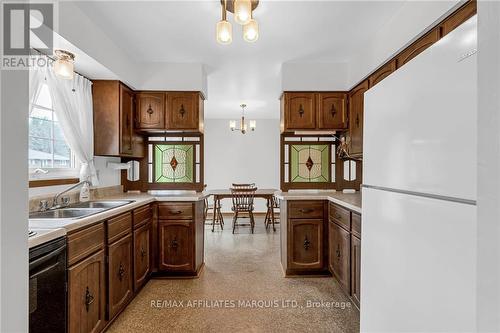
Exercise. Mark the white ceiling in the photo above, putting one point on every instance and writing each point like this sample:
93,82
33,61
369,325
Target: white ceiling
290,31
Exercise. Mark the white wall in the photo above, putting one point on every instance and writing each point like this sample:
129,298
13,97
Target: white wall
488,194
107,177
231,157
406,25
314,76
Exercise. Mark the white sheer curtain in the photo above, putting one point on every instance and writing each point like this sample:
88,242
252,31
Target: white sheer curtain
72,103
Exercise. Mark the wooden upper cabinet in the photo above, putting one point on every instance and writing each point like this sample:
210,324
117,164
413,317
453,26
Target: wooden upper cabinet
183,111
462,15
114,135
332,110
382,73
86,295
150,110
300,111
356,104
417,47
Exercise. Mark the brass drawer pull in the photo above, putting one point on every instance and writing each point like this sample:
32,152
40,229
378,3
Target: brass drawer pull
89,299
174,244
307,244
301,111
121,272
143,253
306,210
177,212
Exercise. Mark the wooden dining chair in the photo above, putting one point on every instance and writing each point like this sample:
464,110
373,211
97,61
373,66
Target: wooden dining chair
273,204
243,206
215,207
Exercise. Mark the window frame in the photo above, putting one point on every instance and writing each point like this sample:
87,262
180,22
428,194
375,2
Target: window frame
53,176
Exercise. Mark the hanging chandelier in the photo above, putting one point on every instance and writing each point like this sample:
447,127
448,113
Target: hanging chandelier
243,126
243,15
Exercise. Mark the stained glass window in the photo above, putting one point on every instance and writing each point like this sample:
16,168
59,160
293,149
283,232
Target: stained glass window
173,163
309,163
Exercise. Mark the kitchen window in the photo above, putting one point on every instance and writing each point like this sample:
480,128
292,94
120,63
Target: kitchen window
49,155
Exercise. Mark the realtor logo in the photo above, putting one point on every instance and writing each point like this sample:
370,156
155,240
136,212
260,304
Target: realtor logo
26,25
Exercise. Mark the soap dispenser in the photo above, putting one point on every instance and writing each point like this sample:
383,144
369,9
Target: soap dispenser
85,192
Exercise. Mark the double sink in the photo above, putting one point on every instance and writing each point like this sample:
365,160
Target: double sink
79,210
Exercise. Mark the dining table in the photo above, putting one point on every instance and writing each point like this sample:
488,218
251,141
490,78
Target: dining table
264,193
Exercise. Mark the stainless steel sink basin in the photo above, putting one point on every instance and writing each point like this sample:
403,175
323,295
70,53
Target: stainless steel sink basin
107,204
65,213
79,210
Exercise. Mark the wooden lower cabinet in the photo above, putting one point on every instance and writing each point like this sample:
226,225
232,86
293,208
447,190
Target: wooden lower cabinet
86,295
340,255
356,269
120,289
176,245
306,246
142,255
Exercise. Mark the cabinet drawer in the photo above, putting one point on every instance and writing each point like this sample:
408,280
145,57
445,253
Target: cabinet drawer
175,211
119,226
142,215
305,209
356,224
341,216
83,243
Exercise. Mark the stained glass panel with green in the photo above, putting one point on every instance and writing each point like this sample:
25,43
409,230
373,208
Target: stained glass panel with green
173,163
309,163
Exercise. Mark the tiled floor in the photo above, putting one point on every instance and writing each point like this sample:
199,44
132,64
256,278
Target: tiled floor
242,289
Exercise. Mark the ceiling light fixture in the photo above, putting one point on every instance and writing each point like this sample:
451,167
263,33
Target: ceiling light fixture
64,64
243,14
224,28
243,126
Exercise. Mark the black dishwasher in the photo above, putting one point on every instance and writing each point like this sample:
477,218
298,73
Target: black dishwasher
47,287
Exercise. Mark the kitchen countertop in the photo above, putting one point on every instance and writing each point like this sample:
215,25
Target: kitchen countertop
44,235
350,201
140,199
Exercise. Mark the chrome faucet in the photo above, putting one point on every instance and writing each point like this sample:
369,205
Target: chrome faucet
65,202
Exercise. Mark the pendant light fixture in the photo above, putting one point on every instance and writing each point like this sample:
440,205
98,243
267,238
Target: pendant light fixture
242,11
243,14
224,28
251,30
64,64
243,125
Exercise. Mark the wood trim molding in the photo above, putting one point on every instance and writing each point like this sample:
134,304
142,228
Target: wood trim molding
52,182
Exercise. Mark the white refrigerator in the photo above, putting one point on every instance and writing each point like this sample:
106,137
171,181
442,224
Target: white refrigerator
418,251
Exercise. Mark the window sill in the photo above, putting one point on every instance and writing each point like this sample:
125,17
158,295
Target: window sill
52,182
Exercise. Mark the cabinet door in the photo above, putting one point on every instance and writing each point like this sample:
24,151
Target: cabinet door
150,110
300,111
119,274
306,242
142,255
356,269
126,116
182,111
356,99
332,111
86,295
176,244
340,251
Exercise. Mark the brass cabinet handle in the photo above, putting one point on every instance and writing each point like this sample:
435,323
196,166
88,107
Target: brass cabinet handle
121,272
307,243
182,111
150,110
143,253
333,111
357,120
301,111
177,212
89,299
338,252
174,244
307,210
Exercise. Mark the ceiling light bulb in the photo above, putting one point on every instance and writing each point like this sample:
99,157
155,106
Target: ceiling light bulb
242,11
251,31
253,125
232,125
224,32
64,64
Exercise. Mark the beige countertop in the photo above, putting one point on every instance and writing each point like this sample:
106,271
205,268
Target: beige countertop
139,200
350,201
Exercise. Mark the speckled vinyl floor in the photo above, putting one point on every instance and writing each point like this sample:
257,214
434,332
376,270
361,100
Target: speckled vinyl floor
242,289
